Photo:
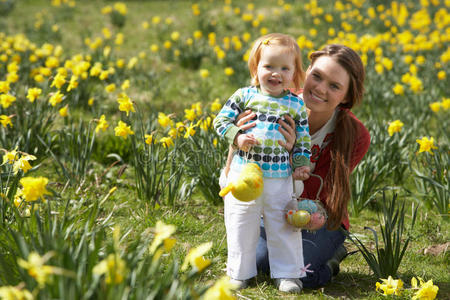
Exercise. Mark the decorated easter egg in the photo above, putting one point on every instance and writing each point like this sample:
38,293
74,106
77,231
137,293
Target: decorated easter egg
317,220
298,218
308,205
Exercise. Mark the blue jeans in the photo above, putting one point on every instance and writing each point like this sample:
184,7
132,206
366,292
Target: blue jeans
318,248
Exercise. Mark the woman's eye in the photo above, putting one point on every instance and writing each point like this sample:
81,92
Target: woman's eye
334,86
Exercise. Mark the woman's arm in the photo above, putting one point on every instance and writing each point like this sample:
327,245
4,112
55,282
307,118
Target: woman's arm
244,123
287,129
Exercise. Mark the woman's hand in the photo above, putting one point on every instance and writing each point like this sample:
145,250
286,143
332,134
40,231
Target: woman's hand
244,118
287,129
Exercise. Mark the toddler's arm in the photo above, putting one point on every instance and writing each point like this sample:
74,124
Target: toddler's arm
224,121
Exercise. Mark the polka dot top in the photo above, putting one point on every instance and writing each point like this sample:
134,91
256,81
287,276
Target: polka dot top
269,155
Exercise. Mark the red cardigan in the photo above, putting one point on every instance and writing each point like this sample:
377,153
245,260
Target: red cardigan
323,165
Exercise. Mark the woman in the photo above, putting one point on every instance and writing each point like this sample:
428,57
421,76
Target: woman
333,85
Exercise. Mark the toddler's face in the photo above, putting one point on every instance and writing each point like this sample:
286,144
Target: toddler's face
276,70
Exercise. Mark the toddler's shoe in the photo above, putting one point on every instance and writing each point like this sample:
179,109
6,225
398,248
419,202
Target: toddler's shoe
239,284
289,285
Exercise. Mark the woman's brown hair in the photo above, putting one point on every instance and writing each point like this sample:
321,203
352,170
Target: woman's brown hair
337,181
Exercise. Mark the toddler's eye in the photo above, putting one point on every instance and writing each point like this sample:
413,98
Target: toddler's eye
285,68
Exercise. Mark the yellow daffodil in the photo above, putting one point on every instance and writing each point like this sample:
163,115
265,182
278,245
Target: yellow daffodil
73,83
119,39
56,98
106,10
125,104
101,124
103,75
34,188
204,73
164,120
195,257
35,265
390,286
190,114
156,20
154,48
229,71
379,68
169,243
120,7
125,85
64,112
441,75
394,127
435,106
58,81
167,44
5,121
166,142
398,89
113,267
13,293
180,126
216,106
173,133
426,145
106,32
23,163
222,290
4,87
162,232
123,130
149,139
120,63
91,101
12,77
416,84
110,88
190,131
426,290
445,103
52,62
132,62
9,157
6,100
175,35
206,124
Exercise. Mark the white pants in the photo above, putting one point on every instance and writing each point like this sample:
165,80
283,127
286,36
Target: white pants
242,221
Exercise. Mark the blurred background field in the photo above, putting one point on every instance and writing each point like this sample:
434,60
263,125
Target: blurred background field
164,68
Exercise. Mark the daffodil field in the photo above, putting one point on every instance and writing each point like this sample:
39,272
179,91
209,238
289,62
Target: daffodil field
110,165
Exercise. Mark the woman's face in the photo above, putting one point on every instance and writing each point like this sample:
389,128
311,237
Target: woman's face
326,85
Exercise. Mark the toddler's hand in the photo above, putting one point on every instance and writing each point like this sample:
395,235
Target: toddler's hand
244,141
301,173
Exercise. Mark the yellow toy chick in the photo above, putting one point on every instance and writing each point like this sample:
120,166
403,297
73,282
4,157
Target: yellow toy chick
248,186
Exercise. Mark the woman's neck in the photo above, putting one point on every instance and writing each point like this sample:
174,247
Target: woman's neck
318,120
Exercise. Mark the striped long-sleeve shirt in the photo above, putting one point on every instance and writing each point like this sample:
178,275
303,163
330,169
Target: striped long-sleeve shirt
269,155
